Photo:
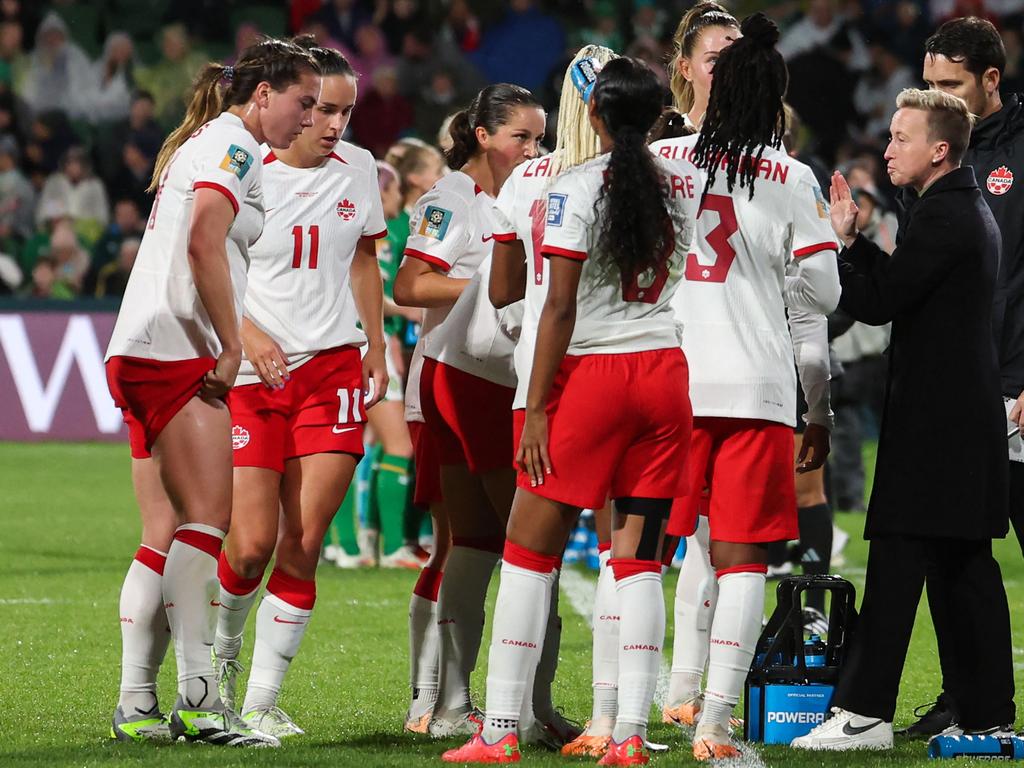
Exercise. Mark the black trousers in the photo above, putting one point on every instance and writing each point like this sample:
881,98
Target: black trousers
965,590
1017,501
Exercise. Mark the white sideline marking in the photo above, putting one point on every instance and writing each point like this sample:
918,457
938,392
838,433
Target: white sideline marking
580,592
29,601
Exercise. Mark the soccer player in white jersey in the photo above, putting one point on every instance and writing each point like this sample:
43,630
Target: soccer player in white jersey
466,394
519,271
607,410
704,31
764,243
172,359
300,409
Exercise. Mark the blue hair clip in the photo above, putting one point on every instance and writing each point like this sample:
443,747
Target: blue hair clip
584,76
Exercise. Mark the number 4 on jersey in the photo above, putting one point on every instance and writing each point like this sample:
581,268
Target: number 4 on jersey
717,240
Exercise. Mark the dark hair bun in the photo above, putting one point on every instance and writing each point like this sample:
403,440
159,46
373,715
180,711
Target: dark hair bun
760,29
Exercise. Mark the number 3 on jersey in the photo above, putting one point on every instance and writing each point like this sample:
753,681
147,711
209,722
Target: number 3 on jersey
717,240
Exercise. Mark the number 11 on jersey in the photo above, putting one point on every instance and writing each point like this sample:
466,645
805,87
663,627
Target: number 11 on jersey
298,246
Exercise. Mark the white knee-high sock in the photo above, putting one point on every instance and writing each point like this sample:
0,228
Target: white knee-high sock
696,592
641,634
520,616
237,597
144,631
460,619
423,642
281,623
734,634
605,660
547,667
190,589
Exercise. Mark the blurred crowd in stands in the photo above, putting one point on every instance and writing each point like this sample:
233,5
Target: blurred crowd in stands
89,88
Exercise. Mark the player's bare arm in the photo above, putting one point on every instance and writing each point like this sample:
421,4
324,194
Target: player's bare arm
557,320
418,284
368,292
508,273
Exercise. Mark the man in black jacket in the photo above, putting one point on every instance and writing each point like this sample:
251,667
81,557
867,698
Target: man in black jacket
937,289
966,57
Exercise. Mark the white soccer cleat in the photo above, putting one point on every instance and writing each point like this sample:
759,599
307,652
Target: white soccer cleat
220,726
465,724
403,557
228,672
847,730
272,720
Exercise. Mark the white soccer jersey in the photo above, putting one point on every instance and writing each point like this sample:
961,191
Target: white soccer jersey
617,314
735,336
162,317
519,213
452,229
299,291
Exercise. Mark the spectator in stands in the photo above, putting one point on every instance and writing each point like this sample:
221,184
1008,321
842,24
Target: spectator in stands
49,136
648,20
59,75
170,79
113,277
370,52
45,284
70,258
423,53
38,245
127,224
525,28
876,92
462,27
399,19
17,197
114,76
817,29
13,61
603,28
342,18
82,195
383,114
247,34
132,180
435,103
10,275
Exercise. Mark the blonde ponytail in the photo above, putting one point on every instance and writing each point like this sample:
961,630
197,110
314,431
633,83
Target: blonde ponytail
703,14
577,142
205,104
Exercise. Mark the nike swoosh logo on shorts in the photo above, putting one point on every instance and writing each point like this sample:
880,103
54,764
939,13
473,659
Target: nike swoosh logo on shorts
279,620
485,238
852,730
337,431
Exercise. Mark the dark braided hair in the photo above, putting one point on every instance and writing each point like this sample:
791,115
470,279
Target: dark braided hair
636,222
745,111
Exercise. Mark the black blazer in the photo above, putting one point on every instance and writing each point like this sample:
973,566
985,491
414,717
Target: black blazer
942,454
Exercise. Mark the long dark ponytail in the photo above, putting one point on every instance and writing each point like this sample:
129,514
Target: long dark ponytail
491,109
746,112
636,223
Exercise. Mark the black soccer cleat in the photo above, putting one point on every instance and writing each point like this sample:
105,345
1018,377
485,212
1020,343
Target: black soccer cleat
941,715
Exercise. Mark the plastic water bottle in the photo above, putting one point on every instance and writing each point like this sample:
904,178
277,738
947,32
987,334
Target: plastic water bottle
983,747
814,652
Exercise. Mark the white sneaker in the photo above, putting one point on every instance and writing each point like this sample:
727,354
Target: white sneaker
464,724
403,557
847,730
272,721
369,546
343,559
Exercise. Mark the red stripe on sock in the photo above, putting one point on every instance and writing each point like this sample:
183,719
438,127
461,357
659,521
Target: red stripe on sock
151,559
748,568
428,584
528,559
485,543
298,592
604,546
205,542
624,567
231,581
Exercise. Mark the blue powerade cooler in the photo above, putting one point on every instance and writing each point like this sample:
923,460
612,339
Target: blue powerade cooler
789,688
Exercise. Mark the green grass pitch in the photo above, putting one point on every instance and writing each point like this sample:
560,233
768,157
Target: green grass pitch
68,531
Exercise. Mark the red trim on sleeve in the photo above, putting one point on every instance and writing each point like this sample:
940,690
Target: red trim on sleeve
810,250
222,189
554,250
506,237
433,260
339,158
271,157
382,234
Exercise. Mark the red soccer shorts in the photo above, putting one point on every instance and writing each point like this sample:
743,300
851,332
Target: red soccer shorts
428,468
618,426
747,465
320,410
150,393
469,418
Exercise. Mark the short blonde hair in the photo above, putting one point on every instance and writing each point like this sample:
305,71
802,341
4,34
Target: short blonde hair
949,119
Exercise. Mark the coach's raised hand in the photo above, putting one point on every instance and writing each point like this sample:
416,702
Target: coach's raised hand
843,210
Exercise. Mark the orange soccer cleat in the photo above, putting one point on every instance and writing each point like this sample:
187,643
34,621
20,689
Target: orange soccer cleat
713,743
632,751
683,714
476,750
587,746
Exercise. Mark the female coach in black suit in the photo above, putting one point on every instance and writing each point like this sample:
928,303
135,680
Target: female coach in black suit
940,489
